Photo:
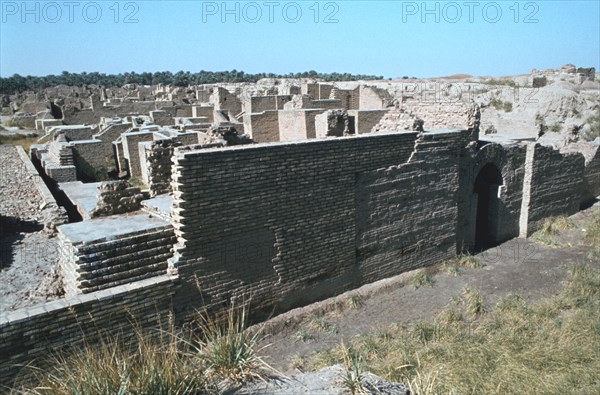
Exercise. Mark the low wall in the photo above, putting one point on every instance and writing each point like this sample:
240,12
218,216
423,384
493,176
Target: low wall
34,333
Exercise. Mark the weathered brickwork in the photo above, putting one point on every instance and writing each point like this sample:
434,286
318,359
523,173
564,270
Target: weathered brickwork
509,159
158,161
556,183
591,181
34,333
98,264
278,223
117,197
406,214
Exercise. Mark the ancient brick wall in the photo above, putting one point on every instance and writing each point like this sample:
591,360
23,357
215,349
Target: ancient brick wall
366,120
34,333
158,161
509,159
131,150
280,224
553,186
591,181
101,263
262,127
93,158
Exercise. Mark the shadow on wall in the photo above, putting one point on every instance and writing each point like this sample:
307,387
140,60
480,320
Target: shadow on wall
11,233
487,214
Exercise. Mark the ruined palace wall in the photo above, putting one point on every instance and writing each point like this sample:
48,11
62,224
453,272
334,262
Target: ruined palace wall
92,157
262,127
280,224
366,120
556,185
297,124
510,161
591,178
36,332
292,125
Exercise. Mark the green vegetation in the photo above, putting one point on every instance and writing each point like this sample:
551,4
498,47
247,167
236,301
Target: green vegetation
469,261
501,105
24,140
421,278
504,81
18,83
320,324
354,373
593,236
594,132
154,366
555,128
227,349
355,301
550,347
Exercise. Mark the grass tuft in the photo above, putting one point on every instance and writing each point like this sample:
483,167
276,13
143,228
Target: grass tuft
421,278
469,261
320,324
228,349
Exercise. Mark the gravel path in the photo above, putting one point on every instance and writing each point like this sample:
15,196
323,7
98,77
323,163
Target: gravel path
27,253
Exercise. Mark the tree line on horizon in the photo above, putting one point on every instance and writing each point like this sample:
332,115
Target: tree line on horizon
18,83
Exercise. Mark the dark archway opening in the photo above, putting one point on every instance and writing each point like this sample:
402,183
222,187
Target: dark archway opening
486,187
56,111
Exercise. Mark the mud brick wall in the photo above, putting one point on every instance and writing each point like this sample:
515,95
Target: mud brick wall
406,215
509,159
34,333
556,182
104,263
366,120
262,127
280,224
591,178
131,149
158,161
93,157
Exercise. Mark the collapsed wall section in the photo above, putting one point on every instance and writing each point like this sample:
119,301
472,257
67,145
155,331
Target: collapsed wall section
277,223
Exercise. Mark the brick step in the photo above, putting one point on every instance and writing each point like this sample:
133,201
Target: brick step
126,276
125,281
125,240
115,265
91,260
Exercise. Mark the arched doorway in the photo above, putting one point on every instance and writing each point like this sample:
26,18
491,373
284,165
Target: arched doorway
486,190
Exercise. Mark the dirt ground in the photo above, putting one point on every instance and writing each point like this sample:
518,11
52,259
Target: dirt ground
522,266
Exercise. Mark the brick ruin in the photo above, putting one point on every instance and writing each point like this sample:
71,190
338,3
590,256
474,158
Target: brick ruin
277,200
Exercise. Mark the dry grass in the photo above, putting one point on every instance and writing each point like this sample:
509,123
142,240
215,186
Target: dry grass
551,347
227,349
165,363
552,227
421,278
153,366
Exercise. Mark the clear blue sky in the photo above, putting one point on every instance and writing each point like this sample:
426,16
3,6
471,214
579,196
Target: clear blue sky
389,38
